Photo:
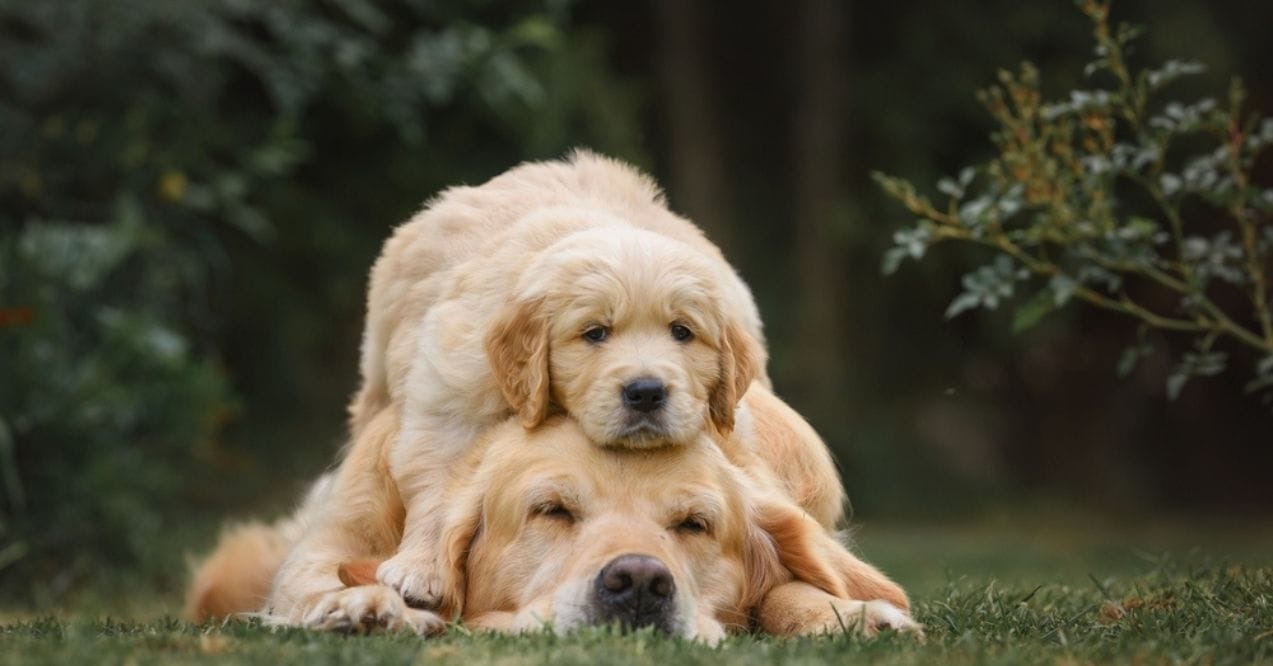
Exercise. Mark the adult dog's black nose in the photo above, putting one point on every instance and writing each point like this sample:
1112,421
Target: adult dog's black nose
645,394
635,590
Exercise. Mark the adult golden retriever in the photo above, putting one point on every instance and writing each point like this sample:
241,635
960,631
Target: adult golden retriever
545,527
556,287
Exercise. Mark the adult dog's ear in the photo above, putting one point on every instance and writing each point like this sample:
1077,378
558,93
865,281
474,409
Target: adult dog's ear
358,572
517,347
741,360
863,581
762,565
784,544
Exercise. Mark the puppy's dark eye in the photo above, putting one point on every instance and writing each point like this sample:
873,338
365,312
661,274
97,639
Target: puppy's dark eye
681,332
555,511
596,334
693,525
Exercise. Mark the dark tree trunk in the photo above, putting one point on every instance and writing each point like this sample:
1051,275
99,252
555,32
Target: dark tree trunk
696,163
819,129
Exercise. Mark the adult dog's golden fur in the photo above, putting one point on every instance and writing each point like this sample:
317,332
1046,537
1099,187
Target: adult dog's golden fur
533,516
478,309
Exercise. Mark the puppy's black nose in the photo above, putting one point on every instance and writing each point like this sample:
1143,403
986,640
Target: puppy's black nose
645,394
635,590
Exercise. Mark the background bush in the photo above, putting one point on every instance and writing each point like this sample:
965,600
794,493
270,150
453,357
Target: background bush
175,172
1111,197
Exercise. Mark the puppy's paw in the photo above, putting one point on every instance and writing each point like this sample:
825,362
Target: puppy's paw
871,617
417,580
369,609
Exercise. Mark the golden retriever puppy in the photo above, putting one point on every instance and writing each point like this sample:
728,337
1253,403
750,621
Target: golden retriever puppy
545,528
742,488
556,287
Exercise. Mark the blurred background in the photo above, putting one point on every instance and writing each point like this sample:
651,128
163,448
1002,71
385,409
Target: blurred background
192,193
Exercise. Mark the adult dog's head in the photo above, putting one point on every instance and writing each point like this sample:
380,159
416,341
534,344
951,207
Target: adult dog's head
629,332
549,528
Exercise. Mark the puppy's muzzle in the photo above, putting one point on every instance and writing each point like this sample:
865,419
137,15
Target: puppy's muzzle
635,591
646,394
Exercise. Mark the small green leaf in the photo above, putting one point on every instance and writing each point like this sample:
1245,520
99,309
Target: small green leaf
893,258
1062,288
1028,314
949,187
1263,376
1176,383
962,302
1130,358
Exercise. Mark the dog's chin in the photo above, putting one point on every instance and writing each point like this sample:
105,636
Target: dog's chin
583,615
641,432
668,626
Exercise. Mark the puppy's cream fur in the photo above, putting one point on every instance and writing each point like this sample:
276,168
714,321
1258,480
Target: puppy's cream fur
477,309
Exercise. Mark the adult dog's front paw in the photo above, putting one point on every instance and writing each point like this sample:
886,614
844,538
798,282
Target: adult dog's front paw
869,617
369,609
416,580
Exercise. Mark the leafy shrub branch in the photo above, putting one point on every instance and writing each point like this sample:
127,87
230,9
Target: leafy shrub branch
1093,197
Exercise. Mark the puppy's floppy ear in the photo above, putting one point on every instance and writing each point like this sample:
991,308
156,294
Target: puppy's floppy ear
741,360
517,348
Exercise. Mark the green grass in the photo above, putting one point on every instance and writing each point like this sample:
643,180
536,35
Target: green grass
1003,591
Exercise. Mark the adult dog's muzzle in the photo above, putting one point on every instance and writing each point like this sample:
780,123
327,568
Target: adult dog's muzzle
635,591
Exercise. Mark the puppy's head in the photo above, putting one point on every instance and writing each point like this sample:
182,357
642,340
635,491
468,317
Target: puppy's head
629,332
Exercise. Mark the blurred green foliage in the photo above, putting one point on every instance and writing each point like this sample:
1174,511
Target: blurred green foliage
106,401
191,194
165,169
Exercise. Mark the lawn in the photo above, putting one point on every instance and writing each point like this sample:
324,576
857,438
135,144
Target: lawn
1005,590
